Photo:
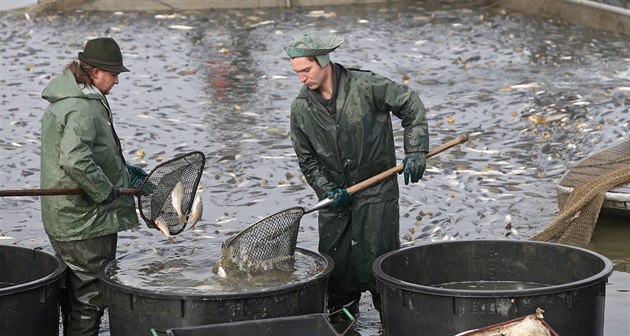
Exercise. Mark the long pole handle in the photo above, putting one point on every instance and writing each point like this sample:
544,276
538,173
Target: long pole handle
391,171
399,168
56,192
119,191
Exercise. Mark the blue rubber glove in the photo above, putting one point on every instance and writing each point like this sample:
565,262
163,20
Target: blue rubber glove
136,176
414,165
340,196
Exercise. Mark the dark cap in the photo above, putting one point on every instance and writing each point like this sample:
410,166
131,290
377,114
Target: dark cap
103,53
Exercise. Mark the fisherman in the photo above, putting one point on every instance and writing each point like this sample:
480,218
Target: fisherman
342,133
80,149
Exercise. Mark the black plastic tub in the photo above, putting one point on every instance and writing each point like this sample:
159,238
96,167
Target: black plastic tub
428,289
134,311
30,285
304,325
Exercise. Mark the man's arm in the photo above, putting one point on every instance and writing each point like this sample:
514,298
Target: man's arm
307,159
405,104
75,156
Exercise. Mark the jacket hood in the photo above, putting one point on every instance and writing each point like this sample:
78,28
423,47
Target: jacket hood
61,87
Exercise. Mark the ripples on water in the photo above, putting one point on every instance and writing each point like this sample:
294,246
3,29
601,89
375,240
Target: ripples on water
538,94
491,285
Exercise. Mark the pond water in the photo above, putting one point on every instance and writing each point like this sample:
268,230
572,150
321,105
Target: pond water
534,94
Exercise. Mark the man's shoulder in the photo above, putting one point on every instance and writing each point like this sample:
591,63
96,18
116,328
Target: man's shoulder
362,74
360,71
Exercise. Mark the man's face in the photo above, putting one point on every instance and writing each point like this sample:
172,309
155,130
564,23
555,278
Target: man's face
309,71
104,80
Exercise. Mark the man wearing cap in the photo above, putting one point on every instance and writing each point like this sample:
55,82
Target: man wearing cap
80,149
342,134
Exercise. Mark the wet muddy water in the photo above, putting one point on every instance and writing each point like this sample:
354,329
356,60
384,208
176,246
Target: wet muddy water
535,94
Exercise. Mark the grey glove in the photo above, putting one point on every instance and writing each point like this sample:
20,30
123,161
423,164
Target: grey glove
414,165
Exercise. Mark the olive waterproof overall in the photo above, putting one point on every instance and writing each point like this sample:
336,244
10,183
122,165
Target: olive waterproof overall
343,144
80,149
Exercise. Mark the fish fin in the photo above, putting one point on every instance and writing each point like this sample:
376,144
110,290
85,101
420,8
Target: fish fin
182,220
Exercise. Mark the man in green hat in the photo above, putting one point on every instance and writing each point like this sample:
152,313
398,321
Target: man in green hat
342,134
80,149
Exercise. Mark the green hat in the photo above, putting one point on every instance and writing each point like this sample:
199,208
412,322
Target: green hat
103,53
309,44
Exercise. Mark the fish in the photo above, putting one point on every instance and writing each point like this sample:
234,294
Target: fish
221,272
162,226
532,85
321,13
225,220
177,198
262,23
197,211
180,27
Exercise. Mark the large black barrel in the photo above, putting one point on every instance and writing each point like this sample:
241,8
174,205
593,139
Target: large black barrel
134,311
30,285
430,289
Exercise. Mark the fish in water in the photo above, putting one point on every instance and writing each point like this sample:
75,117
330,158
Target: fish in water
162,226
177,198
197,211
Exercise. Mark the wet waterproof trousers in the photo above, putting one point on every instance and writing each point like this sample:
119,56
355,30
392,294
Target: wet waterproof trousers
354,237
82,303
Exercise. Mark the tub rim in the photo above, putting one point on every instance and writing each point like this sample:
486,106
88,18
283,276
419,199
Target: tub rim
37,283
383,277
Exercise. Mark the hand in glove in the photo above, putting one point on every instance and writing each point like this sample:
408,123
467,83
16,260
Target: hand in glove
136,176
110,198
340,196
414,165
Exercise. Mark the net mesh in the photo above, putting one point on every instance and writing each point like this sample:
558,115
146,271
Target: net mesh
265,243
156,199
580,208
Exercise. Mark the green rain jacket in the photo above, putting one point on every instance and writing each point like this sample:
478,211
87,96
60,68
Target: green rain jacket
354,145
80,149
